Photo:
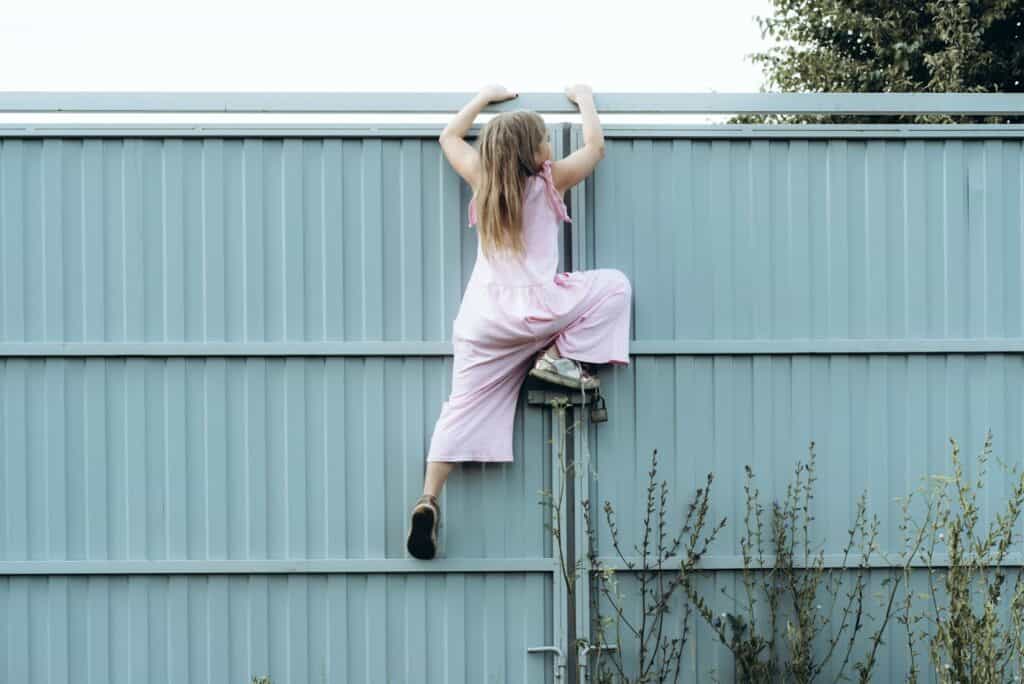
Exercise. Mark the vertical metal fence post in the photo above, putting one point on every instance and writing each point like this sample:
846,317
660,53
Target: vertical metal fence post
581,475
562,608
559,596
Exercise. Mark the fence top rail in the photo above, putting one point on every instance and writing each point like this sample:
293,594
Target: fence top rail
420,130
450,102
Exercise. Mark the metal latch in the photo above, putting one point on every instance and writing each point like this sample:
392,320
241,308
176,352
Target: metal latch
559,658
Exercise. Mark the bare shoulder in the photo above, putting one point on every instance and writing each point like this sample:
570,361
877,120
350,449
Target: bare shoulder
463,157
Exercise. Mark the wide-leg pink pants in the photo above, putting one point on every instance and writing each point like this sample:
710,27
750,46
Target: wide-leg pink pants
496,337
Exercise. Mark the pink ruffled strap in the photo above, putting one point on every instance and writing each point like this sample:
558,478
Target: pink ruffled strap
556,200
557,203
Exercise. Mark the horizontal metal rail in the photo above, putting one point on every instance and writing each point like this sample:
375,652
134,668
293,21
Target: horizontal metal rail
680,347
875,561
439,565
447,102
259,567
135,130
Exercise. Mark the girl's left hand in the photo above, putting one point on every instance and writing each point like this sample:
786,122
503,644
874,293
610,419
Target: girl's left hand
497,93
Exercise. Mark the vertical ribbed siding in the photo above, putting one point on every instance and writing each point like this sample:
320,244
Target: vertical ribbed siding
906,254
249,459
842,238
879,422
230,239
772,241
462,628
850,240
245,459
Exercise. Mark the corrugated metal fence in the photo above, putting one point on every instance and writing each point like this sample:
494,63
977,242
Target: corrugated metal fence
223,349
855,287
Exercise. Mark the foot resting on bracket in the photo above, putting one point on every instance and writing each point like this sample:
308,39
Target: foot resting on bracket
563,371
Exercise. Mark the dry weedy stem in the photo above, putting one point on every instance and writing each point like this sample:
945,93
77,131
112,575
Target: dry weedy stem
659,657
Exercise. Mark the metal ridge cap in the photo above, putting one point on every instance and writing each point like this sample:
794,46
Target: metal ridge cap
552,102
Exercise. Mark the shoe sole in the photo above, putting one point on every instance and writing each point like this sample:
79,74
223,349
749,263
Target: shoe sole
421,542
562,380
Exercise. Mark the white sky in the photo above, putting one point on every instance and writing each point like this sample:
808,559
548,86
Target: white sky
377,45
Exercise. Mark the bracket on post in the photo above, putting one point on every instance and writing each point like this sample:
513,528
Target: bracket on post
559,397
553,397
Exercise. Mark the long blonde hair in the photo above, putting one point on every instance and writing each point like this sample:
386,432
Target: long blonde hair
507,145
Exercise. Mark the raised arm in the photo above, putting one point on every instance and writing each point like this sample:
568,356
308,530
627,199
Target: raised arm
577,166
460,154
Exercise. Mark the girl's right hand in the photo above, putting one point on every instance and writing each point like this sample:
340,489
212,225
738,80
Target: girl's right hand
574,92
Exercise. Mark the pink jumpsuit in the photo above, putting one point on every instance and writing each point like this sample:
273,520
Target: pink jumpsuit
509,313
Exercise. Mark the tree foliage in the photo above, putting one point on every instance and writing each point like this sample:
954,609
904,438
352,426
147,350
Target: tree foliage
898,46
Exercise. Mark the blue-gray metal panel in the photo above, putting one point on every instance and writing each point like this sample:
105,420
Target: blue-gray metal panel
230,240
296,629
879,422
813,239
172,412
862,293
247,459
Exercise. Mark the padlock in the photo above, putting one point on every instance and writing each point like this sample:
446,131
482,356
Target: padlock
598,414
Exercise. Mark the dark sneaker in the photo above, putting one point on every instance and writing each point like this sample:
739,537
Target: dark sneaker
422,540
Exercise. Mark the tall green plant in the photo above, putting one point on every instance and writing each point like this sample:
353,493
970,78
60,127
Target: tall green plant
796,586
971,619
659,655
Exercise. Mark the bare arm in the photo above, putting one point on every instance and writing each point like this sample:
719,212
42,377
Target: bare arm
577,166
460,154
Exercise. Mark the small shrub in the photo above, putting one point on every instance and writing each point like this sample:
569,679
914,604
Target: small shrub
796,587
660,656
968,640
971,621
